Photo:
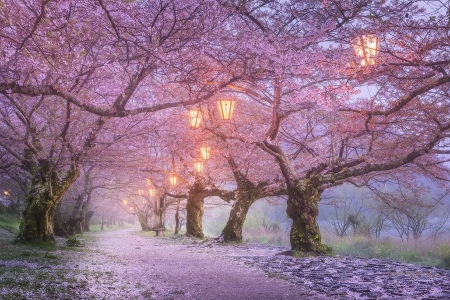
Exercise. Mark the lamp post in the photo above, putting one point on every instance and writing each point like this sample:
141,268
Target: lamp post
226,108
366,46
195,117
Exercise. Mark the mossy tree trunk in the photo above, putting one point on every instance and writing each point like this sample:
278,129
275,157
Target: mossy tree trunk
247,193
177,218
143,220
194,210
302,208
58,225
45,193
233,229
87,220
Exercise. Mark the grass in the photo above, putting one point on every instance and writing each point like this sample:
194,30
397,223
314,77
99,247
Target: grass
425,253
9,223
43,270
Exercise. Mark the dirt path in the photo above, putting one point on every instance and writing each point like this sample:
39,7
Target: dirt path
130,266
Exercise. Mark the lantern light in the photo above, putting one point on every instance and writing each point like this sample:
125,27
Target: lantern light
151,192
173,179
195,117
198,165
206,152
149,182
6,193
141,192
226,108
366,46
125,202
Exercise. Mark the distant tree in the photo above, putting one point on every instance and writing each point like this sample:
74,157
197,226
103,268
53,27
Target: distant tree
413,214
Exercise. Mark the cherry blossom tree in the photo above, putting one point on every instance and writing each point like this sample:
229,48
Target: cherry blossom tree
321,132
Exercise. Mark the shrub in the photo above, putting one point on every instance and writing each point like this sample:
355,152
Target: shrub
443,252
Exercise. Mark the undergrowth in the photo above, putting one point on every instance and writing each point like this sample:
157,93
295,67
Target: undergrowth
424,253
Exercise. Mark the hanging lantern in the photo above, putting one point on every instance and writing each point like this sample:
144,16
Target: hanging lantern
195,117
151,192
173,179
141,192
366,46
125,202
226,108
149,182
198,165
6,193
206,152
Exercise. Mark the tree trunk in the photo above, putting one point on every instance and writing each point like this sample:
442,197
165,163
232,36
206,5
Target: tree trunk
87,220
246,194
41,200
302,208
233,230
58,226
143,220
194,211
177,218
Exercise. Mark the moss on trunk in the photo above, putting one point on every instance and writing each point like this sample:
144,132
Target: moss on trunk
194,210
233,229
143,220
45,193
302,208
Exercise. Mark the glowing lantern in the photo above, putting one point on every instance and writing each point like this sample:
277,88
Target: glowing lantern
226,108
151,192
125,202
6,193
149,182
366,46
141,192
206,152
198,166
195,117
173,179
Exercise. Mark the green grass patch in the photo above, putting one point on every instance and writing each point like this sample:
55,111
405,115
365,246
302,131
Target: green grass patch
9,223
425,253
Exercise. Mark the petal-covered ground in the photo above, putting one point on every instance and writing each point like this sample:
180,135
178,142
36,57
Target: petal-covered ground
127,264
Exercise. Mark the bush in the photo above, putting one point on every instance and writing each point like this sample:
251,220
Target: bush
443,252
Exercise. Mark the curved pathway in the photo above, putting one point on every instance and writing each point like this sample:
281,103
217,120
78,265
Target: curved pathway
130,266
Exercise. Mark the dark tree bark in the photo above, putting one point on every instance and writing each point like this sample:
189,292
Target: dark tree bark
194,210
246,194
87,220
302,208
177,218
45,193
143,220
58,225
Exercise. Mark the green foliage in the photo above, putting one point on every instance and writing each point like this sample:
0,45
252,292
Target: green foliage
426,253
73,242
443,252
9,222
